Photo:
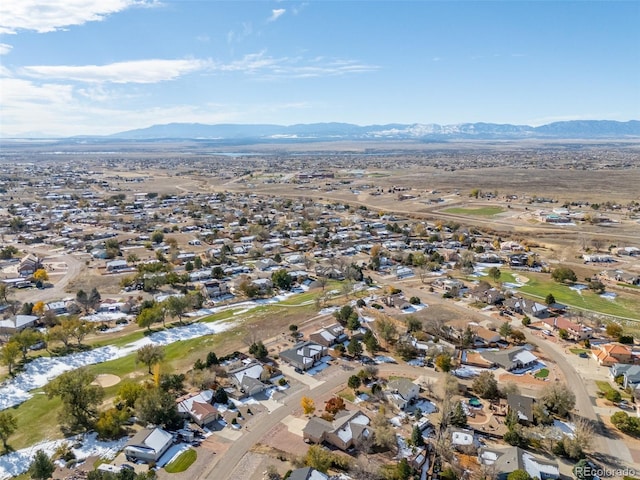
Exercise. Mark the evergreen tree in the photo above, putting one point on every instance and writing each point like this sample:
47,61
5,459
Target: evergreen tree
416,437
212,359
355,347
458,418
42,466
221,396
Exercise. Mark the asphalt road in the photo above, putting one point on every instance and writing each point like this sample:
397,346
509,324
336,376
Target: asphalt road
224,466
60,282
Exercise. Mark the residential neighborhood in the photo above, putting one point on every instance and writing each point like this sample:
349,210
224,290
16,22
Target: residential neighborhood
302,336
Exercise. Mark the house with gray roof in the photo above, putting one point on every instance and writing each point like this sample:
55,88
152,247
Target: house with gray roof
522,406
17,323
148,445
304,355
401,392
246,378
507,460
329,336
512,358
345,431
527,307
630,374
307,473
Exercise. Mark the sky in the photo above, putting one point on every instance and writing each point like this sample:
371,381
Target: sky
96,67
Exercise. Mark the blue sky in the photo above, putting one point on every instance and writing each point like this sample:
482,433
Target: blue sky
79,67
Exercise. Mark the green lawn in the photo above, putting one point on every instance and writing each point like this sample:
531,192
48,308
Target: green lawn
482,211
578,351
540,285
37,420
38,417
604,386
542,373
184,461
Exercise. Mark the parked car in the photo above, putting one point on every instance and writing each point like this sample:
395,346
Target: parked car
583,355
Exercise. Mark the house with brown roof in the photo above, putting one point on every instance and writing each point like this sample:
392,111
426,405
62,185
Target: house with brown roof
198,407
576,331
609,354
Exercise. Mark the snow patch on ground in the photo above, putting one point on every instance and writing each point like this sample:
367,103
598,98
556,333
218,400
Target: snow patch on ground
328,310
15,463
425,406
42,370
101,317
414,308
565,427
466,372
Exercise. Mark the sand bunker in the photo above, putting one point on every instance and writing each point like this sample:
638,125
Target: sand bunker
521,279
107,380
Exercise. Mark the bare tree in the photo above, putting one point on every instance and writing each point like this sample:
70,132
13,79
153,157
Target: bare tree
583,433
597,243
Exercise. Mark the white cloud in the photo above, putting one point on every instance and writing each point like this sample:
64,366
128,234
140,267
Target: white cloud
276,13
285,67
50,15
62,111
138,71
5,48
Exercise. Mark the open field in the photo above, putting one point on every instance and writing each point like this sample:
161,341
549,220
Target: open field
482,211
540,285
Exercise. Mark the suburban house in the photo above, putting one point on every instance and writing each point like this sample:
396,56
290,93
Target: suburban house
449,284
332,273
401,392
28,265
609,354
148,445
620,276
511,359
57,308
329,336
575,331
246,378
198,407
630,374
304,355
507,460
265,264
344,432
525,306
483,337
115,266
522,406
307,473
17,323
490,296
263,284
216,288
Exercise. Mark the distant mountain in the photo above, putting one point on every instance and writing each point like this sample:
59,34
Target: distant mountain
576,129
